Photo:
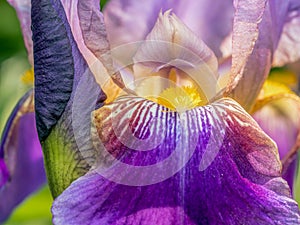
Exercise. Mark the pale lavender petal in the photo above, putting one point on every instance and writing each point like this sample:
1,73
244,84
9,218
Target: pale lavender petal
284,24
87,25
288,47
257,33
22,158
23,8
182,45
209,165
251,50
172,45
129,21
212,22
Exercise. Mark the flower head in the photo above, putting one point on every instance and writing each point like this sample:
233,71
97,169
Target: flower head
207,164
137,125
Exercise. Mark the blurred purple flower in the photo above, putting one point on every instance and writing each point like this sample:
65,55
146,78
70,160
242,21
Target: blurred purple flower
21,159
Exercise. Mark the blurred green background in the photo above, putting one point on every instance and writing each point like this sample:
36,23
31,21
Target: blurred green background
13,63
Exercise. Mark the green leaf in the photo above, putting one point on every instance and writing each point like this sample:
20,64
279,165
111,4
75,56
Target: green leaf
63,164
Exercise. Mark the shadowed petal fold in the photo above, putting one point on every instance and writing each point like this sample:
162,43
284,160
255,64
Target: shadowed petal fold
208,165
284,132
21,160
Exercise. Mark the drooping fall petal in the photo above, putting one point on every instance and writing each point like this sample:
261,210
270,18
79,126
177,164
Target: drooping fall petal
59,69
21,160
209,165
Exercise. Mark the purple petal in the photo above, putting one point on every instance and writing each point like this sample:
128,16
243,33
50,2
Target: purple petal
23,8
209,165
79,15
212,22
280,120
22,159
3,173
129,21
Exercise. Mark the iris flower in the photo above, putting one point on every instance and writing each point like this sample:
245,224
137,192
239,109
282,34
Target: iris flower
21,159
213,23
173,146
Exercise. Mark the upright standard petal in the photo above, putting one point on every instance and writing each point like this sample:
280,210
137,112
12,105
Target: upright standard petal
59,69
251,50
23,9
129,21
257,32
209,165
87,25
171,45
21,158
180,46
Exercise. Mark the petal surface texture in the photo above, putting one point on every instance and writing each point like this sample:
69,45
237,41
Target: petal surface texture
87,25
208,165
